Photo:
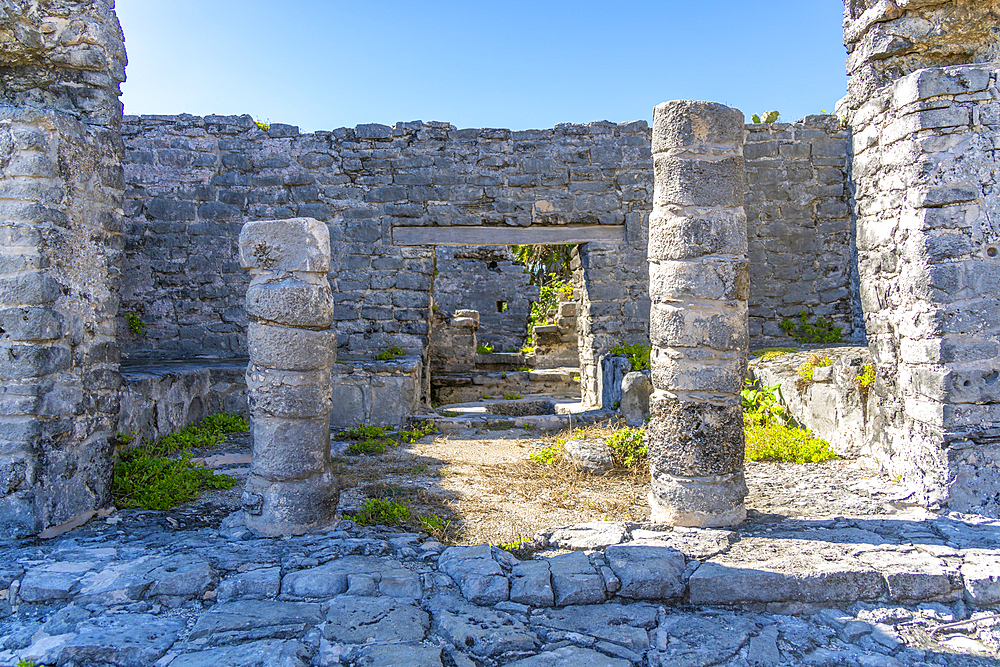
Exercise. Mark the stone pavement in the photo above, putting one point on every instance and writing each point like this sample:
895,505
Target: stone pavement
189,588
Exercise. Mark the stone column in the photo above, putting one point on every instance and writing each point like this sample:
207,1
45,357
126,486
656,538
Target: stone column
291,489
698,322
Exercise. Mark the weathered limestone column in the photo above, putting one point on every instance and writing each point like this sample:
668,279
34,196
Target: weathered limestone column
291,489
698,284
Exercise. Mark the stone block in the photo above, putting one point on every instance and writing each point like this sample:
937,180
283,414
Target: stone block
355,620
29,289
286,449
298,244
636,389
291,349
710,502
695,439
695,369
289,394
575,580
691,182
675,236
292,302
706,278
290,507
531,584
685,123
591,455
647,573
721,327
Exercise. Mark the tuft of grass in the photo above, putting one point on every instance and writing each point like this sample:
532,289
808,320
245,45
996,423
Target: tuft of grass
814,362
513,397
449,413
390,354
548,456
637,353
225,423
527,349
484,348
263,126
380,511
628,448
420,430
371,446
374,439
768,353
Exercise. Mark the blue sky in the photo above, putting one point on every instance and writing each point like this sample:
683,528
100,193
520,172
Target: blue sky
323,64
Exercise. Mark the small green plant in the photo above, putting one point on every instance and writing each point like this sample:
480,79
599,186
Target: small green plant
418,431
380,511
768,353
627,446
484,348
486,397
450,413
549,298
775,440
369,446
512,397
768,117
527,349
135,325
390,354
503,306
820,330
867,376
524,369
637,353
548,456
363,433
263,126
812,363
616,405
762,401
225,423
516,545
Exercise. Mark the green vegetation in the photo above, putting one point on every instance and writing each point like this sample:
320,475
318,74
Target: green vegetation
516,545
627,447
770,433
135,325
513,397
637,353
768,353
154,477
548,456
374,439
484,348
867,376
814,362
380,511
541,261
390,354
263,126
768,117
549,297
820,330
527,349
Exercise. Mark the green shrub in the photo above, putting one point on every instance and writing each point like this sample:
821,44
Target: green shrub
390,354
637,353
225,423
362,433
145,480
627,447
775,440
549,297
369,446
814,362
820,330
527,349
548,456
382,512
762,399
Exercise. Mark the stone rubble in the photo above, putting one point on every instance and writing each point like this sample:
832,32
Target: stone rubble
178,589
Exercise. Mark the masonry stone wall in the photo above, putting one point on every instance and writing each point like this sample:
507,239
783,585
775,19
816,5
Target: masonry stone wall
486,279
800,226
60,253
925,132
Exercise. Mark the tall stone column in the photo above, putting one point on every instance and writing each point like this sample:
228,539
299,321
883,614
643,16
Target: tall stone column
291,489
698,283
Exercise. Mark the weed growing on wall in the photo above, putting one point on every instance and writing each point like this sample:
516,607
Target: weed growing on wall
161,474
768,353
484,348
390,354
513,397
135,325
867,376
812,363
549,297
637,353
768,117
819,330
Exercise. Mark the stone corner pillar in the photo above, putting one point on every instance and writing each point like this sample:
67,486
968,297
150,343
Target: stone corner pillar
698,284
291,489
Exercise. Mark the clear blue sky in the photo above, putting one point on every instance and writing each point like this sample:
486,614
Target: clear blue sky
323,64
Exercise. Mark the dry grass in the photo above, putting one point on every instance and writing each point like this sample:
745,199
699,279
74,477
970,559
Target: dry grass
490,490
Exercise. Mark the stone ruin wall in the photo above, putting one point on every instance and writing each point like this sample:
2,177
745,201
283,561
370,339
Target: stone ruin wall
479,278
926,118
61,189
192,182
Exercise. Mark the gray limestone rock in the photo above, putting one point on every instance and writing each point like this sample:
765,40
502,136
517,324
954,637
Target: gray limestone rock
266,653
571,656
296,244
53,581
387,577
624,625
480,577
700,640
531,584
264,582
250,620
981,574
647,573
478,630
400,655
357,620
592,535
636,388
589,454
124,640
575,580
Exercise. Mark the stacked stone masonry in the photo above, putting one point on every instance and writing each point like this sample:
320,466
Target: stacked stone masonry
193,181
927,200
61,189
